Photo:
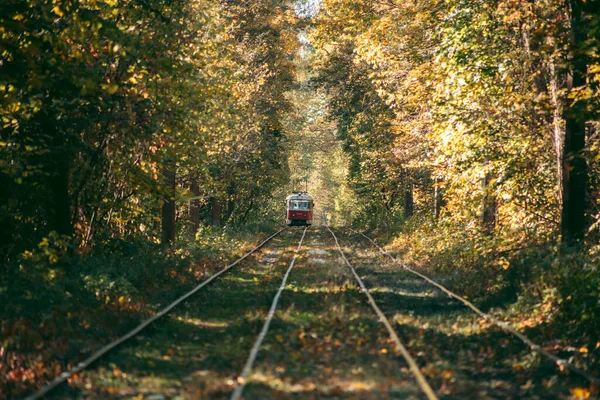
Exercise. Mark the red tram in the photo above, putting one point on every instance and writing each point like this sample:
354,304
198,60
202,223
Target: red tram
299,209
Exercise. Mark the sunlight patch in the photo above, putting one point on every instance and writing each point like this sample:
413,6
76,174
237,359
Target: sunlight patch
204,324
331,387
401,292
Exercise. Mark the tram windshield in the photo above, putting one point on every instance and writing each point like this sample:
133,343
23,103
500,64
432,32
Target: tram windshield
299,205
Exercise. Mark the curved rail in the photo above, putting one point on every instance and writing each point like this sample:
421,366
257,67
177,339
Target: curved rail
242,379
414,368
85,363
503,325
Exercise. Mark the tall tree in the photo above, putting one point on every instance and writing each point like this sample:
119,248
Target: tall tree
574,167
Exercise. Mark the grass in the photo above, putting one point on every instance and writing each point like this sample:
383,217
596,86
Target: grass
325,341
212,329
457,345
54,314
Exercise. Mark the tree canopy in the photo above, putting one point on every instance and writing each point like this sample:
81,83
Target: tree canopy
110,107
492,103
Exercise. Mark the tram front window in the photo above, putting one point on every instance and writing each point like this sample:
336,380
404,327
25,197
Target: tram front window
299,205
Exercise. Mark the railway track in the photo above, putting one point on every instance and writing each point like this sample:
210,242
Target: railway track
300,320
560,362
63,377
237,393
414,368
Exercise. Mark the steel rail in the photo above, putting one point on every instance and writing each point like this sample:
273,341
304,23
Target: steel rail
503,325
414,368
242,379
85,363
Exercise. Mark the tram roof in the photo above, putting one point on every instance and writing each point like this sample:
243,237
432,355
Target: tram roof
299,196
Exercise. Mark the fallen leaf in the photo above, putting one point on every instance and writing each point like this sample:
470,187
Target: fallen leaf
580,393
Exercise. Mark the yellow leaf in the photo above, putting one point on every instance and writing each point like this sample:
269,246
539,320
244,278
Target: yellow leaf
56,10
110,88
580,393
504,263
583,350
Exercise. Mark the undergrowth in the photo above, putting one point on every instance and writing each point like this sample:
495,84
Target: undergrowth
59,304
548,290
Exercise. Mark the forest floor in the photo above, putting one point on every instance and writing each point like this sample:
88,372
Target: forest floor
325,340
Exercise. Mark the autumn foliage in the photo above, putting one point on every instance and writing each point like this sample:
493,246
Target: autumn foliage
464,132
124,124
472,128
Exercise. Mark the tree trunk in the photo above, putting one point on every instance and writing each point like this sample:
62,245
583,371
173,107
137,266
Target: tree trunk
409,204
230,202
574,165
215,210
244,216
167,236
488,205
558,130
438,199
195,206
90,230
